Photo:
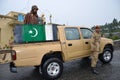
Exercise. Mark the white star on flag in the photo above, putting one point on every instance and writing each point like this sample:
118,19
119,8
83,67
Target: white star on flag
30,32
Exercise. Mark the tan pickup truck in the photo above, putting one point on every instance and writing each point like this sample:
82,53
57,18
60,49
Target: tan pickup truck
48,57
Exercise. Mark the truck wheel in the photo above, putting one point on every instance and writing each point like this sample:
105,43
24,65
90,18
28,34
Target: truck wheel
106,56
52,68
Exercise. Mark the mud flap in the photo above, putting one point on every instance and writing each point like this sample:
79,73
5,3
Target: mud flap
13,68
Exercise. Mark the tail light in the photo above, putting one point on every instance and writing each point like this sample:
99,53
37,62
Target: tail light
14,55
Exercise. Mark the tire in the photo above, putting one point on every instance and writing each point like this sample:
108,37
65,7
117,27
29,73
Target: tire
52,68
106,56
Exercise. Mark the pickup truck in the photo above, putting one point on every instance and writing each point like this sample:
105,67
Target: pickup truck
48,57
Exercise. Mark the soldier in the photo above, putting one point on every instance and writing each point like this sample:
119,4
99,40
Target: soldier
95,48
32,17
43,19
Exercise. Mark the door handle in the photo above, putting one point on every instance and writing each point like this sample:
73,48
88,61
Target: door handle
86,42
70,44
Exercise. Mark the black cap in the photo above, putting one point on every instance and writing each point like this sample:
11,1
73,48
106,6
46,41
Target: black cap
34,7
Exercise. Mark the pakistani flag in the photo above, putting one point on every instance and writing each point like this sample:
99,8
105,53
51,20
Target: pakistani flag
33,33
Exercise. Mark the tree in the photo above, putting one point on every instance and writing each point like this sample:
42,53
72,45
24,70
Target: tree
119,23
106,27
115,22
110,27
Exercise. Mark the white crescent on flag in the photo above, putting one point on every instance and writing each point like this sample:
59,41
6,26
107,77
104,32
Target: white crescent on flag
36,32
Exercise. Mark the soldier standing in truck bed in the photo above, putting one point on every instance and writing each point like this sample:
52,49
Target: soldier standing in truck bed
43,19
32,17
95,48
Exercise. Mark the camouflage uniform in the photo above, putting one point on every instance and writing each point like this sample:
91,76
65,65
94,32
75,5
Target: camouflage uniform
95,48
32,17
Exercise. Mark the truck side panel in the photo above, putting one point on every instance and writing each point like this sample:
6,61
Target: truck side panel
32,54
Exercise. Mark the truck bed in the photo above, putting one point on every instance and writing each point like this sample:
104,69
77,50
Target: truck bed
34,52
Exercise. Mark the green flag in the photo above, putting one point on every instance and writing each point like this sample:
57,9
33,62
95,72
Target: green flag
33,33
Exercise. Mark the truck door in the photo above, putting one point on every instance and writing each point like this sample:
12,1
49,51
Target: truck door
74,44
86,35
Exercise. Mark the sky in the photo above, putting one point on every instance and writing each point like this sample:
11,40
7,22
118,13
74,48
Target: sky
85,13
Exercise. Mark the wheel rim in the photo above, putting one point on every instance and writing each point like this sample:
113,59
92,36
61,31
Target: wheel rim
107,55
53,69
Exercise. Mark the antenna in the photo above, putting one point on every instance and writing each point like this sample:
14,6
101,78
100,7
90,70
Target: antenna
49,15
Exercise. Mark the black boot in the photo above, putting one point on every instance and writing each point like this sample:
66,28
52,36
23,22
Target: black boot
94,71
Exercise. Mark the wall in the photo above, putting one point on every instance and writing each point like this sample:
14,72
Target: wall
6,32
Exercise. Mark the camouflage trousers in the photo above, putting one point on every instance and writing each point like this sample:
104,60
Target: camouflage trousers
94,58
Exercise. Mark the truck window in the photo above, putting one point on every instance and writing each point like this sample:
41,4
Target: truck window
72,34
86,33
